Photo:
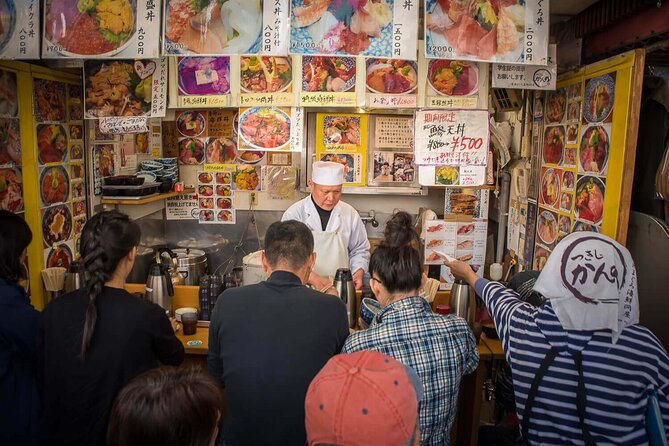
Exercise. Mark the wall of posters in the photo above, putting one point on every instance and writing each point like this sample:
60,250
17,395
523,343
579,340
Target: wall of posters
383,28
512,31
581,178
19,29
213,28
101,29
342,138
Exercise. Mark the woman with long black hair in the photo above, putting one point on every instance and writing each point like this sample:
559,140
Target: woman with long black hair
19,402
94,340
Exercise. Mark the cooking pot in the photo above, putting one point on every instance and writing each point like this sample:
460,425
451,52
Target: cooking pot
191,263
253,272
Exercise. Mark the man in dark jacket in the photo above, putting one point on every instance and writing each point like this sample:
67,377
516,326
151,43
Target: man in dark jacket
267,342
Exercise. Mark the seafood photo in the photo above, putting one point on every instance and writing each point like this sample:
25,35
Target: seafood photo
114,88
49,97
247,178
11,190
599,96
556,106
205,177
90,27
212,27
51,143
566,201
391,76
265,74
344,159
564,224
59,256
550,187
223,178
225,216
453,77
10,143
75,109
553,144
250,156
205,191
340,129
475,30
56,224
9,105
223,190
356,27
204,75
191,151
320,73
76,152
191,123
464,203
567,180
540,258
55,185
594,149
264,127
446,175
220,150
589,204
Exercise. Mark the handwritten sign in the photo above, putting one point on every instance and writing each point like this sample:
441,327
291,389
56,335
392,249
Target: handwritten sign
214,101
451,137
122,125
297,129
452,102
321,99
260,99
528,77
158,87
391,101
220,167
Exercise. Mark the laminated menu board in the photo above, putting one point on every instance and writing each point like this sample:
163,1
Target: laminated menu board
11,176
513,31
206,136
265,129
216,196
380,28
589,144
328,81
203,81
220,27
85,29
342,138
19,29
266,81
391,83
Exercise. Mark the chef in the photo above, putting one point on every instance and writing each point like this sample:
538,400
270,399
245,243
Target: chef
340,239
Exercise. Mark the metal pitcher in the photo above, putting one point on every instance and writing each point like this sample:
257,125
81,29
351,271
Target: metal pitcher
343,283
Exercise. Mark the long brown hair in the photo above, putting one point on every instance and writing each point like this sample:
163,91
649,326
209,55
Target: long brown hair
106,239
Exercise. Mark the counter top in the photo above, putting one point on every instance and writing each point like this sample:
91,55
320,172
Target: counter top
201,335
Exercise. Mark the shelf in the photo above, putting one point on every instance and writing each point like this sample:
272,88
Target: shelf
151,199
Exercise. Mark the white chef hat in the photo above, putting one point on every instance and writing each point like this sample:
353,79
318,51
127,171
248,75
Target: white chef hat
327,173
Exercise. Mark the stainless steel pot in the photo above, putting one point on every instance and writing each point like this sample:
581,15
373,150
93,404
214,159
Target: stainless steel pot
191,263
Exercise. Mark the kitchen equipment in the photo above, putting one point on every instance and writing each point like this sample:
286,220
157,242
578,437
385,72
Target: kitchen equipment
253,272
343,283
73,279
175,275
460,298
159,288
191,263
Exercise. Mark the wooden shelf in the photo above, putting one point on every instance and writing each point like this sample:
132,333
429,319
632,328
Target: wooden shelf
146,200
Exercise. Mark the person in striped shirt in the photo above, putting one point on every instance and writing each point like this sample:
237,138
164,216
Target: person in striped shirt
589,324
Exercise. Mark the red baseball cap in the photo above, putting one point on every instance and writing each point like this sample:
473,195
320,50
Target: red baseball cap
361,399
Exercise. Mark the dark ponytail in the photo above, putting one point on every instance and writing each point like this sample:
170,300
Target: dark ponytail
398,261
106,239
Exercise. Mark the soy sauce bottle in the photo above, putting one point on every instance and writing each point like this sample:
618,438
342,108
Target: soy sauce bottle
215,289
205,301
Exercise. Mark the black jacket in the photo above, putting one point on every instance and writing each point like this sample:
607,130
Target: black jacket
266,343
19,401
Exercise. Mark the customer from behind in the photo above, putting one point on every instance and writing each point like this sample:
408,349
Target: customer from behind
94,340
268,340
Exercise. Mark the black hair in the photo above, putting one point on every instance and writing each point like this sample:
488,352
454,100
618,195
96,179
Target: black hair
166,406
398,262
288,241
106,239
15,236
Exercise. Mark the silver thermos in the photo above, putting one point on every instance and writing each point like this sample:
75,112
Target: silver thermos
343,283
460,297
73,280
159,289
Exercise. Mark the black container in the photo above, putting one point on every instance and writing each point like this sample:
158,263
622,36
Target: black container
205,301
215,289
130,191
123,180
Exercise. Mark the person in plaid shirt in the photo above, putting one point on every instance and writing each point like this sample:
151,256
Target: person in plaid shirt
441,349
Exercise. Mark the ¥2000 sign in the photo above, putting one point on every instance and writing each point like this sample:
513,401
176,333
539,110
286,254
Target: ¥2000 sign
451,137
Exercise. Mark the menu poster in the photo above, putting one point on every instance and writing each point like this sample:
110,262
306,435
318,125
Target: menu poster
393,167
19,29
454,83
328,81
101,29
104,164
203,81
441,236
122,88
451,137
470,247
342,138
393,132
265,129
513,31
470,202
266,81
215,197
11,197
383,28
391,83
214,27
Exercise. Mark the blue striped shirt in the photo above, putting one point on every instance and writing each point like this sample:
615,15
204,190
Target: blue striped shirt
441,349
618,377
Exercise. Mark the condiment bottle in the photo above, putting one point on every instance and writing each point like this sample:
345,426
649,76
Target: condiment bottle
215,289
205,301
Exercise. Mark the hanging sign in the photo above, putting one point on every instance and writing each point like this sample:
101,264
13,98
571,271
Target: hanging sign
382,28
527,77
84,29
512,31
19,29
219,27
451,137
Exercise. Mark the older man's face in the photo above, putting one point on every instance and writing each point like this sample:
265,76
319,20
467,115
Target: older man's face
326,197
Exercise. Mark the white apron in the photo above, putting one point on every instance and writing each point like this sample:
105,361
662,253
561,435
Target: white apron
331,253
